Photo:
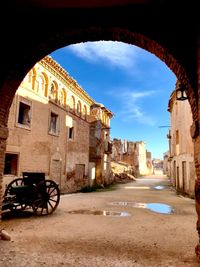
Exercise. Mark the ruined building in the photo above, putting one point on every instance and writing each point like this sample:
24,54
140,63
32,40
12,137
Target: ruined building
158,166
134,154
100,145
117,150
53,129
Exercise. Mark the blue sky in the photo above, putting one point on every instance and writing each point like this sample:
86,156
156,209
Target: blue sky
131,82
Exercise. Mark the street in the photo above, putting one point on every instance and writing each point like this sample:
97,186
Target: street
137,224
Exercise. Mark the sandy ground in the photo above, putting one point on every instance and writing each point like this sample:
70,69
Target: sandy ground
145,238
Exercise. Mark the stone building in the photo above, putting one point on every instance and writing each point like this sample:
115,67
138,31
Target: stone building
100,145
133,154
157,166
182,170
50,129
166,163
117,150
143,160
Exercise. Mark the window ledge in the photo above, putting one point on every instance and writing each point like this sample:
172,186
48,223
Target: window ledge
23,126
54,134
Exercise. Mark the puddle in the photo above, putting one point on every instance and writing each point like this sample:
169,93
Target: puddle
160,208
159,187
130,204
137,187
155,207
101,212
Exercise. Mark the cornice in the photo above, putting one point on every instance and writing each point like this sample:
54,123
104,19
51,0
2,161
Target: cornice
52,66
108,112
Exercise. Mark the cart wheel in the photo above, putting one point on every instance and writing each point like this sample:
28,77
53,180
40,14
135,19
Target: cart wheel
8,194
47,198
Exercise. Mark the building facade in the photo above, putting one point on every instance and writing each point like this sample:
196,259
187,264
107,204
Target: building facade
181,150
166,163
100,145
50,128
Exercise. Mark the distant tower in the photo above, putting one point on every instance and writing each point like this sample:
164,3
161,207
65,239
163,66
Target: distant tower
125,146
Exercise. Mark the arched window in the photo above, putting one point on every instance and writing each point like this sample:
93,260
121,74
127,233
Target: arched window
54,91
41,84
72,103
85,112
78,108
32,78
62,98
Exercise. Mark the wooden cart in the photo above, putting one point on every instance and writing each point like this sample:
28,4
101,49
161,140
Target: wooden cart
34,191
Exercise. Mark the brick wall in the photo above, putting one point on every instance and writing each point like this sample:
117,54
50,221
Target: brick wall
3,136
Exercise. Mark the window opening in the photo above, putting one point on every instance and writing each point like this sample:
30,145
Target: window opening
11,161
54,123
71,132
24,114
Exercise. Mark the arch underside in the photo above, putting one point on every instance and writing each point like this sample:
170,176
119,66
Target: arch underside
39,28
95,34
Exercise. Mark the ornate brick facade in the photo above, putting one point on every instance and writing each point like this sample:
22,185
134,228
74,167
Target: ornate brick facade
50,122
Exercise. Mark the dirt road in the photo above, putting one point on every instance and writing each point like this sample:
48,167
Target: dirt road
81,232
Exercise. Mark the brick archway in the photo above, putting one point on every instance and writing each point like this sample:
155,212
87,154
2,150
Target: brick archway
94,26
94,34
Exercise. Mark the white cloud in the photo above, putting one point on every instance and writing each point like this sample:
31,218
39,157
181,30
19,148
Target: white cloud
115,53
132,111
137,114
123,56
137,95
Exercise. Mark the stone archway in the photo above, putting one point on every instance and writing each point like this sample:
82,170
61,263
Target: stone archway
52,29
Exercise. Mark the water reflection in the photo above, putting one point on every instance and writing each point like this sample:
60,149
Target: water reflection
155,207
160,208
130,204
101,212
137,187
159,187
